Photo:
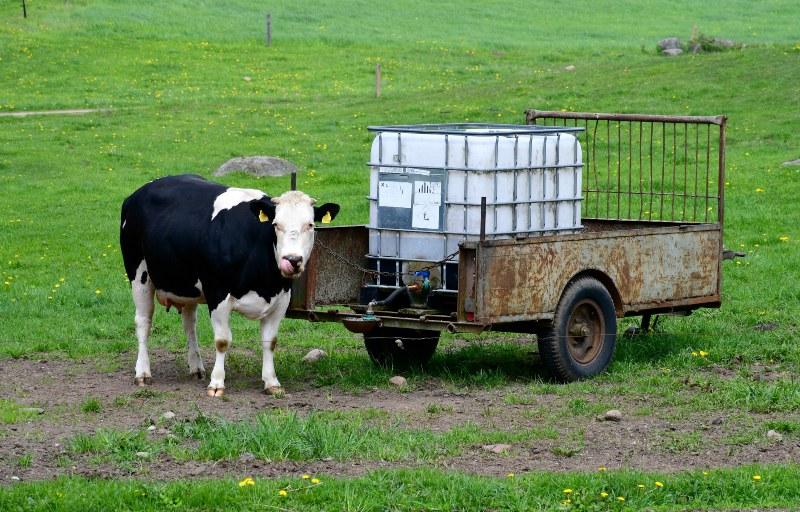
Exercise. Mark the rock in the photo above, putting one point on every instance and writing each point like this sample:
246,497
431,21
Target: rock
143,455
257,166
613,415
669,43
151,428
15,478
314,355
398,381
168,416
774,436
569,68
247,457
32,410
247,79
496,448
672,52
717,421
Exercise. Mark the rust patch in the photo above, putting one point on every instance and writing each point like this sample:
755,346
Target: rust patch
222,345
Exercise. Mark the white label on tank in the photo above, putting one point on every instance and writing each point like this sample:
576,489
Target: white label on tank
427,200
394,194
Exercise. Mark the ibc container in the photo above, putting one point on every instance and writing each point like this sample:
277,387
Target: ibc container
427,181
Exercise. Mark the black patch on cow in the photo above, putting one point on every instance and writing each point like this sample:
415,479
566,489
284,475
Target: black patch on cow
168,224
144,277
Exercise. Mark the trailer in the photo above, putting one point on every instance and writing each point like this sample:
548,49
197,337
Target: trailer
635,229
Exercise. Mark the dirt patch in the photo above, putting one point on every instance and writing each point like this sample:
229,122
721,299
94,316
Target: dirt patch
655,440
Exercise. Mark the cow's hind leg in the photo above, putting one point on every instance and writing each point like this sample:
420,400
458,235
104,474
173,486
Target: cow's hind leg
143,291
269,342
220,322
189,318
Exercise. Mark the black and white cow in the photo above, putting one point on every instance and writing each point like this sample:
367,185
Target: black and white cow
188,241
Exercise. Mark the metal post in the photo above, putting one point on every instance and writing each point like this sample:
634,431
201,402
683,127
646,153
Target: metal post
24,10
483,218
378,83
294,180
269,29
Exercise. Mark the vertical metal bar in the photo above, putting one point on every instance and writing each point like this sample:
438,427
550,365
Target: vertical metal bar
685,168
530,183
397,267
641,174
619,169
674,166
557,172
721,180
608,169
708,164
650,209
294,181
696,170
544,184
630,166
594,168
466,180
514,192
575,168
494,181
663,157
483,219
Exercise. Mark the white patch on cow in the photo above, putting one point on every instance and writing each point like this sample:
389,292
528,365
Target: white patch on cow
199,286
189,320
254,307
143,301
124,222
294,230
269,330
234,196
220,323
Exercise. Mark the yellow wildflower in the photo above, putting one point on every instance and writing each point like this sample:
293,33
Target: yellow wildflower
246,482
283,493
703,353
604,494
602,468
757,477
510,475
759,189
659,484
640,486
783,238
315,481
620,498
567,491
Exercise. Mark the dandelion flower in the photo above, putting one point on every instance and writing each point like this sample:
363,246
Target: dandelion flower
659,484
567,491
620,498
640,486
757,477
306,477
97,291
783,238
705,473
602,468
759,190
604,494
510,475
315,481
703,353
694,354
246,482
283,493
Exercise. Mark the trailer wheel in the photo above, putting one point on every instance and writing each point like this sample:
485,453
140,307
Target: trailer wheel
580,341
391,346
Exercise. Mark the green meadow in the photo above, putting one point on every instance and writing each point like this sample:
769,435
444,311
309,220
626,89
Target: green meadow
183,86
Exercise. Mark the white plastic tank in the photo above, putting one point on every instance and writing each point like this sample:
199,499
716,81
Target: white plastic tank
427,181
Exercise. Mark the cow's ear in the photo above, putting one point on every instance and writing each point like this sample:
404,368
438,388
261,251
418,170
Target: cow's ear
326,213
263,210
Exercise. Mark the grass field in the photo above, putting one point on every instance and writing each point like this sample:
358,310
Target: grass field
189,85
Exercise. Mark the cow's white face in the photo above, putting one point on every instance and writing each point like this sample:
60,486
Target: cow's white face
294,231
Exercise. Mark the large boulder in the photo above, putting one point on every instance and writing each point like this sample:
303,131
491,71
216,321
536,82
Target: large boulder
257,166
670,43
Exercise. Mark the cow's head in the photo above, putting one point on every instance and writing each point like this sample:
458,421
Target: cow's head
294,218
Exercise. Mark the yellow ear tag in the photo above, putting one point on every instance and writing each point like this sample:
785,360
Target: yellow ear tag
262,216
326,219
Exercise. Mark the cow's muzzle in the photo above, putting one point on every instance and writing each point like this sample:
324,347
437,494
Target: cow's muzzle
291,265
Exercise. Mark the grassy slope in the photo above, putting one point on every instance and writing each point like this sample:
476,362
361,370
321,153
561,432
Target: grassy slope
174,75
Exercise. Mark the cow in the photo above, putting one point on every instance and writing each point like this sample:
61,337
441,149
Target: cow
187,241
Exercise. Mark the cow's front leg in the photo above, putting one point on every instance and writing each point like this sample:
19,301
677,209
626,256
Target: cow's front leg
220,322
269,342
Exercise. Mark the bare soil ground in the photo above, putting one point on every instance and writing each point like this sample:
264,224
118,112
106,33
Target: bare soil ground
648,442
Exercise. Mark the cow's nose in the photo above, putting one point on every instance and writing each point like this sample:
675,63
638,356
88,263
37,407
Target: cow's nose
295,260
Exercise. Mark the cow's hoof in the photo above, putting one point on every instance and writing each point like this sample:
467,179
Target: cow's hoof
216,391
143,381
200,374
275,391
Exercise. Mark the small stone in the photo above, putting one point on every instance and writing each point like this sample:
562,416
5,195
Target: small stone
32,410
570,68
247,79
775,436
143,455
151,428
672,52
15,478
168,416
716,421
613,415
496,448
398,381
314,355
247,457
670,43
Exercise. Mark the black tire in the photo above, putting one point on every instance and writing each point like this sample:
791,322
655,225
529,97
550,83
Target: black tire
580,341
395,347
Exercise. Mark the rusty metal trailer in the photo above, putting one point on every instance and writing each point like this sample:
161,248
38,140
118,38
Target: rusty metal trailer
651,243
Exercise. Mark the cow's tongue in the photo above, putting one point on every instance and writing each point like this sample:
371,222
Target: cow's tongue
286,266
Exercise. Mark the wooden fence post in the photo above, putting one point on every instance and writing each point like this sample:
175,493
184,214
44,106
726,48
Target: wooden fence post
378,80
269,29
24,10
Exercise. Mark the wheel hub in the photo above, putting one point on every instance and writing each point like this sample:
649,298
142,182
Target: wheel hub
585,330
